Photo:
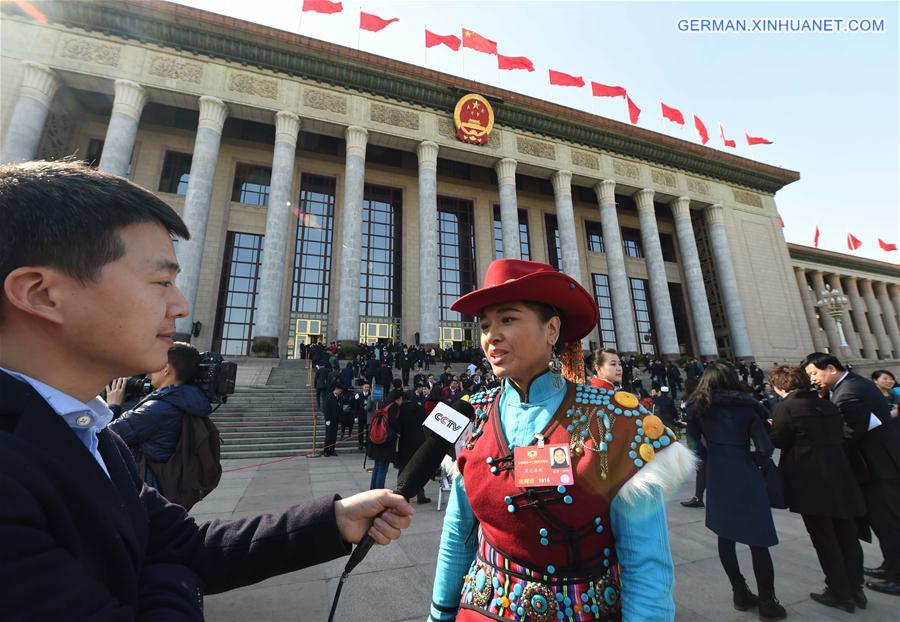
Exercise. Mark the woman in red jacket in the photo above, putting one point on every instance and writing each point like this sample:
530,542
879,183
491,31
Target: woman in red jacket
608,368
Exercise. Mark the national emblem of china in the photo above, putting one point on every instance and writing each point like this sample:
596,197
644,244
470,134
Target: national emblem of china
474,119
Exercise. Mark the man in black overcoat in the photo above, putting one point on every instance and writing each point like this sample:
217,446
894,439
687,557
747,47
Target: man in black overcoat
873,447
88,268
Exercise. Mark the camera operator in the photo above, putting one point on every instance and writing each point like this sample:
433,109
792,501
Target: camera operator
152,428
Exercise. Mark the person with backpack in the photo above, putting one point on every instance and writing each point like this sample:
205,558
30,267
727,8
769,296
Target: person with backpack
383,437
152,428
320,381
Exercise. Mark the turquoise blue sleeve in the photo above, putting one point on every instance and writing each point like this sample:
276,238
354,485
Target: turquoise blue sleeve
642,544
455,555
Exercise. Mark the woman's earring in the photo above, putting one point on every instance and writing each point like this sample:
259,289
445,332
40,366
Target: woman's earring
556,371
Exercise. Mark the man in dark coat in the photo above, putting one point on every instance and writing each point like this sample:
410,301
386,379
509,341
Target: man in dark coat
384,377
673,377
87,268
333,416
412,434
664,408
873,447
320,381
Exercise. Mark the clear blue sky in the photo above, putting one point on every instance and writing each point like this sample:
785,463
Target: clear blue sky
829,100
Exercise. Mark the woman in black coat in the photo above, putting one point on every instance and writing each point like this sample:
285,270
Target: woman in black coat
819,483
737,505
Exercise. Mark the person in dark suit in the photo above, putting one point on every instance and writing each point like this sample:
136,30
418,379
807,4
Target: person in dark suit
664,408
88,266
819,483
334,415
873,447
727,419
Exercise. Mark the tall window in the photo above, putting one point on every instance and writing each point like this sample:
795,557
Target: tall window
380,280
312,253
594,233
93,152
679,314
642,316
237,293
456,253
631,241
606,324
554,250
667,244
176,172
524,244
251,184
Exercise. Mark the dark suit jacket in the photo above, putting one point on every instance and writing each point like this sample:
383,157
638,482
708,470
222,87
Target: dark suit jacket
76,544
874,454
817,476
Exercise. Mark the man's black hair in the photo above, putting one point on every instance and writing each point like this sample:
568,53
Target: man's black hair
184,359
821,360
67,215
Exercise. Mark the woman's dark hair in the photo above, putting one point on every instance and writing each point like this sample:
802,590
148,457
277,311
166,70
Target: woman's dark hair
717,377
545,312
789,378
880,372
435,394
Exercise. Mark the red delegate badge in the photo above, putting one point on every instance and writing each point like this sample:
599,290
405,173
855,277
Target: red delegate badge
550,465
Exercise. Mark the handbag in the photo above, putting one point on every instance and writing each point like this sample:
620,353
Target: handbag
774,484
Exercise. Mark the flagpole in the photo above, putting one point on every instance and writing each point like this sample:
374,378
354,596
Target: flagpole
299,21
749,148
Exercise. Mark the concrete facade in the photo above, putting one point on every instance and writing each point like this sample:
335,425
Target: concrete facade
86,67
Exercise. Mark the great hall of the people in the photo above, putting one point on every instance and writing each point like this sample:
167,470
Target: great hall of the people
331,194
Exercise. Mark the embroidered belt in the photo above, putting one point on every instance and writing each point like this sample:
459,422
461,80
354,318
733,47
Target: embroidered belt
503,589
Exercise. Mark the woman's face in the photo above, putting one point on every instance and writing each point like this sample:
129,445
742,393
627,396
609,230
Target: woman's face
516,342
559,456
611,368
884,382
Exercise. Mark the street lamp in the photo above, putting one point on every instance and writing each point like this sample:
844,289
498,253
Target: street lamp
833,303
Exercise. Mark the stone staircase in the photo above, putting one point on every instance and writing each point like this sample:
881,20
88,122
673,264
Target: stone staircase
273,420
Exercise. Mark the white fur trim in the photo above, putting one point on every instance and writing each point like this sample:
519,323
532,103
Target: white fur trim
665,472
449,468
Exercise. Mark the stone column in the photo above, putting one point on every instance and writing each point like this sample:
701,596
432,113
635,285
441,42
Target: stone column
731,297
667,337
509,209
834,340
123,127
849,334
26,125
351,234
267,319
895,298
887,313
693,278
429,299
570,262
874,312
809,308
213,113
859,318
619,288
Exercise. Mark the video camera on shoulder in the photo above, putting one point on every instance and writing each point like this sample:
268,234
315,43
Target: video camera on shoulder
215,377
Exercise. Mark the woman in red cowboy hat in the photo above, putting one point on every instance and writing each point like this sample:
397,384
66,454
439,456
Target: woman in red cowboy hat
594,547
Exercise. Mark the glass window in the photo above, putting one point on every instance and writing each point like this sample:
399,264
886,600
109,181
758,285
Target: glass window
524,245
237,294
668,246
176,172
631,241
380,279
251,184
642,316
594,234
312,252
456,253
604,303
554,250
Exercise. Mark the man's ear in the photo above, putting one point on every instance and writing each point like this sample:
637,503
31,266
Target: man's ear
37,291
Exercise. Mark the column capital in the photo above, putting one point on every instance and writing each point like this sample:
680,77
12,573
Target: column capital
681,208
130,98
287,127
357,137
562,183
213,112
799,270
851,279
605,191
506,171
866,285
894,289
715,214
427,151
39,82
644,200
880,287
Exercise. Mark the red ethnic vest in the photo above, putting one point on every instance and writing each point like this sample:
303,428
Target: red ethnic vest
547,554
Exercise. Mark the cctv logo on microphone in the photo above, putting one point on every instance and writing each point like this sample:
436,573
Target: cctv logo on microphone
446,422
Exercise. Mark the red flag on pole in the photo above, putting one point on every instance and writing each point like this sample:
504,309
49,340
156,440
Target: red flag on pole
603,90
853,242
781,220
672,114
704,135
475,41
514,62
373,23
634,112
322,6
432,39
725,141
886,246
563,79
816,238
757,140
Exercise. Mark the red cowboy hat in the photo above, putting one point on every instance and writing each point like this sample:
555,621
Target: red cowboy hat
508,280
